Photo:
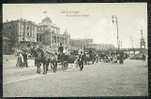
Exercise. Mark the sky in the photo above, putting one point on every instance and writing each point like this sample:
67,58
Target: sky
88,20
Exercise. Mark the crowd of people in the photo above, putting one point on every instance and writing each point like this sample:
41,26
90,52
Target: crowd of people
22,58
45,57
114,58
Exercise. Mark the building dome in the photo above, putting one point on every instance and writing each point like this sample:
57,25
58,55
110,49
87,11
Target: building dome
46,21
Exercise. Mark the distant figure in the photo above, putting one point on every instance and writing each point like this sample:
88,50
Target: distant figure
121,58
34,54
20,59
76,62
85,60
143,57
115,59
25,58
118,58
60,48
33,51
60,52
80,60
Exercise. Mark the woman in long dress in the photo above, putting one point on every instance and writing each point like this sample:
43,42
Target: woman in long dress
20,60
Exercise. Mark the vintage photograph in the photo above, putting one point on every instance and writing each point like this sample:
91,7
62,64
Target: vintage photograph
75,49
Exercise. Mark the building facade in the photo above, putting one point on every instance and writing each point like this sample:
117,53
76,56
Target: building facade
10,31
27,31
102,46
23,33
7,45
80,43
49,34
18,32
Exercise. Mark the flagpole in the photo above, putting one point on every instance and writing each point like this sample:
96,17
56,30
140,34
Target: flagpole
116,22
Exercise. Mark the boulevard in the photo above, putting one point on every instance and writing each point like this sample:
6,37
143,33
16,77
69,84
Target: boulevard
99,79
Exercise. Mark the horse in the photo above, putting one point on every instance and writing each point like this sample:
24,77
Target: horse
45,58
50,58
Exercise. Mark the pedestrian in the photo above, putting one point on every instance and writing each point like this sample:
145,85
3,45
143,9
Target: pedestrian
97,58
114,59
25,58
20,59
144,58
76,62
34,55
121,58
85,60
80,60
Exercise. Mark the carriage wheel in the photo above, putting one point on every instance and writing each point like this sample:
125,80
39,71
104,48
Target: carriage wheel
64,66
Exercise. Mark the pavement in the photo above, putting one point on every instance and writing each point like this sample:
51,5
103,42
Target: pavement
100,79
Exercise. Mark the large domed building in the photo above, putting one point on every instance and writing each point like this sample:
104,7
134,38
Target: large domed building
49,34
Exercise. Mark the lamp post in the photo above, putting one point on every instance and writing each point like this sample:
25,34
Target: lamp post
115,21
132,42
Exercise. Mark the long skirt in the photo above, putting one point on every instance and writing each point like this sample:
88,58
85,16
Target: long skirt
19,62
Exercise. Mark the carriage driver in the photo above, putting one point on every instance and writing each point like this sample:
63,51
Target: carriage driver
60,51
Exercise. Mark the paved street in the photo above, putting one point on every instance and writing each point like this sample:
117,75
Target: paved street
101,79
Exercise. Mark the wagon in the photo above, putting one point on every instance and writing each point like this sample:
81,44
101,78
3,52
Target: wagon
65,60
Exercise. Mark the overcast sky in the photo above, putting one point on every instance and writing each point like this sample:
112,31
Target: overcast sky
88,20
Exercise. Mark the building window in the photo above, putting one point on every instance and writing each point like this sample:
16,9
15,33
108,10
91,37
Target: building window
9,27
28,34
27,28
55,39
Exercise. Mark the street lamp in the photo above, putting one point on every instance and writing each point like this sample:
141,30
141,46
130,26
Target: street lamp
115,21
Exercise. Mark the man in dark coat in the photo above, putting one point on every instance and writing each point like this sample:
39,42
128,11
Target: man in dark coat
25,58
60,48
60,52
121,58
80,60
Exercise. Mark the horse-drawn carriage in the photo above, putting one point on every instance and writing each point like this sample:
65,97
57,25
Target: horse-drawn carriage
62,60
49,59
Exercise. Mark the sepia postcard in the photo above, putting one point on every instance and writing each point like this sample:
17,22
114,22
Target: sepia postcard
76,49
